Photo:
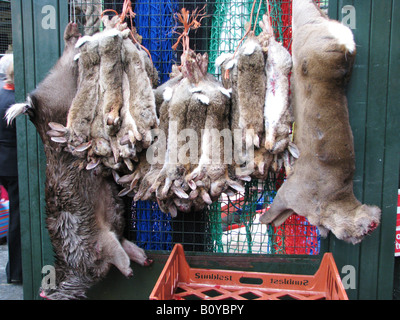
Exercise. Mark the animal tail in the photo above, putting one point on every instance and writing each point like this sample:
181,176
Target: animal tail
17,109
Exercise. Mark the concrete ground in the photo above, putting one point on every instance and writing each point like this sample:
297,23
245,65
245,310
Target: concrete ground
8,291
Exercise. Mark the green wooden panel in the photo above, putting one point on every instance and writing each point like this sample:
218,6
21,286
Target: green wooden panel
47,52
19,56
392,159
375,137
375,180
36,51
32,147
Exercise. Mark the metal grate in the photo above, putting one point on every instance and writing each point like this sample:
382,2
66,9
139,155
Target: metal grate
229,225
5,28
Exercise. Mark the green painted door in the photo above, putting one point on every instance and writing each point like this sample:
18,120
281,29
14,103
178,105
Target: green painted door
374,109
38,28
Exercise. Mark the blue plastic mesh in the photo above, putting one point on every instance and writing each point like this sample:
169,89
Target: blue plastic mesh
154,22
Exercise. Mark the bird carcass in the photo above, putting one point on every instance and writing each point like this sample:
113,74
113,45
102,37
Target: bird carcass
85,216
321,186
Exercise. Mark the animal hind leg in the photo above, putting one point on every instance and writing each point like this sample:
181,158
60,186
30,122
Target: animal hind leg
278,212
282,217
135,253
117,255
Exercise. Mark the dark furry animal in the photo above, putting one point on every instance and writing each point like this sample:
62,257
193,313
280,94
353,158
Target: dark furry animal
84,213
321,186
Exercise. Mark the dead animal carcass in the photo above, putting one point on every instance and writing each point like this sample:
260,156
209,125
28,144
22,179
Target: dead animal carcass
113,112
84,213
193,100
257,74
193,108
321,186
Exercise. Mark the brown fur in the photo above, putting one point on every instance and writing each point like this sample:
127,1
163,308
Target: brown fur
251,85
142,101
258,164
211,174
171,179
172,170
85,102
111,72
151,70
321,186
277,113
144,191
128,127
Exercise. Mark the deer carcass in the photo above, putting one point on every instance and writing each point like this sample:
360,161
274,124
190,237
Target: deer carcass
321,186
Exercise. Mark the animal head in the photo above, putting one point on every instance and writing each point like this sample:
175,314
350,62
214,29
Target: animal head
359,223
51,100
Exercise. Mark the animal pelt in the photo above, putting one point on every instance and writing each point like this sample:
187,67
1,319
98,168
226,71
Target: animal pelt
257,76
84,104
193,100
321,186
157,152
251,86
141,100
84,214
138,181
177,96
112,124
277,115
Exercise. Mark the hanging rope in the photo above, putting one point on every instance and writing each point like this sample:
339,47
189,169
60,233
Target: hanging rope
188,21
127,11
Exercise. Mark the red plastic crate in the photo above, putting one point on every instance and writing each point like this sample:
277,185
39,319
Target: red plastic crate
178,281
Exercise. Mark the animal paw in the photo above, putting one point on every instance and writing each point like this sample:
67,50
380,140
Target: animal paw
58,133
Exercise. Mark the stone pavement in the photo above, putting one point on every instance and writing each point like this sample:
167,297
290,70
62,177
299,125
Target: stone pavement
8,291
